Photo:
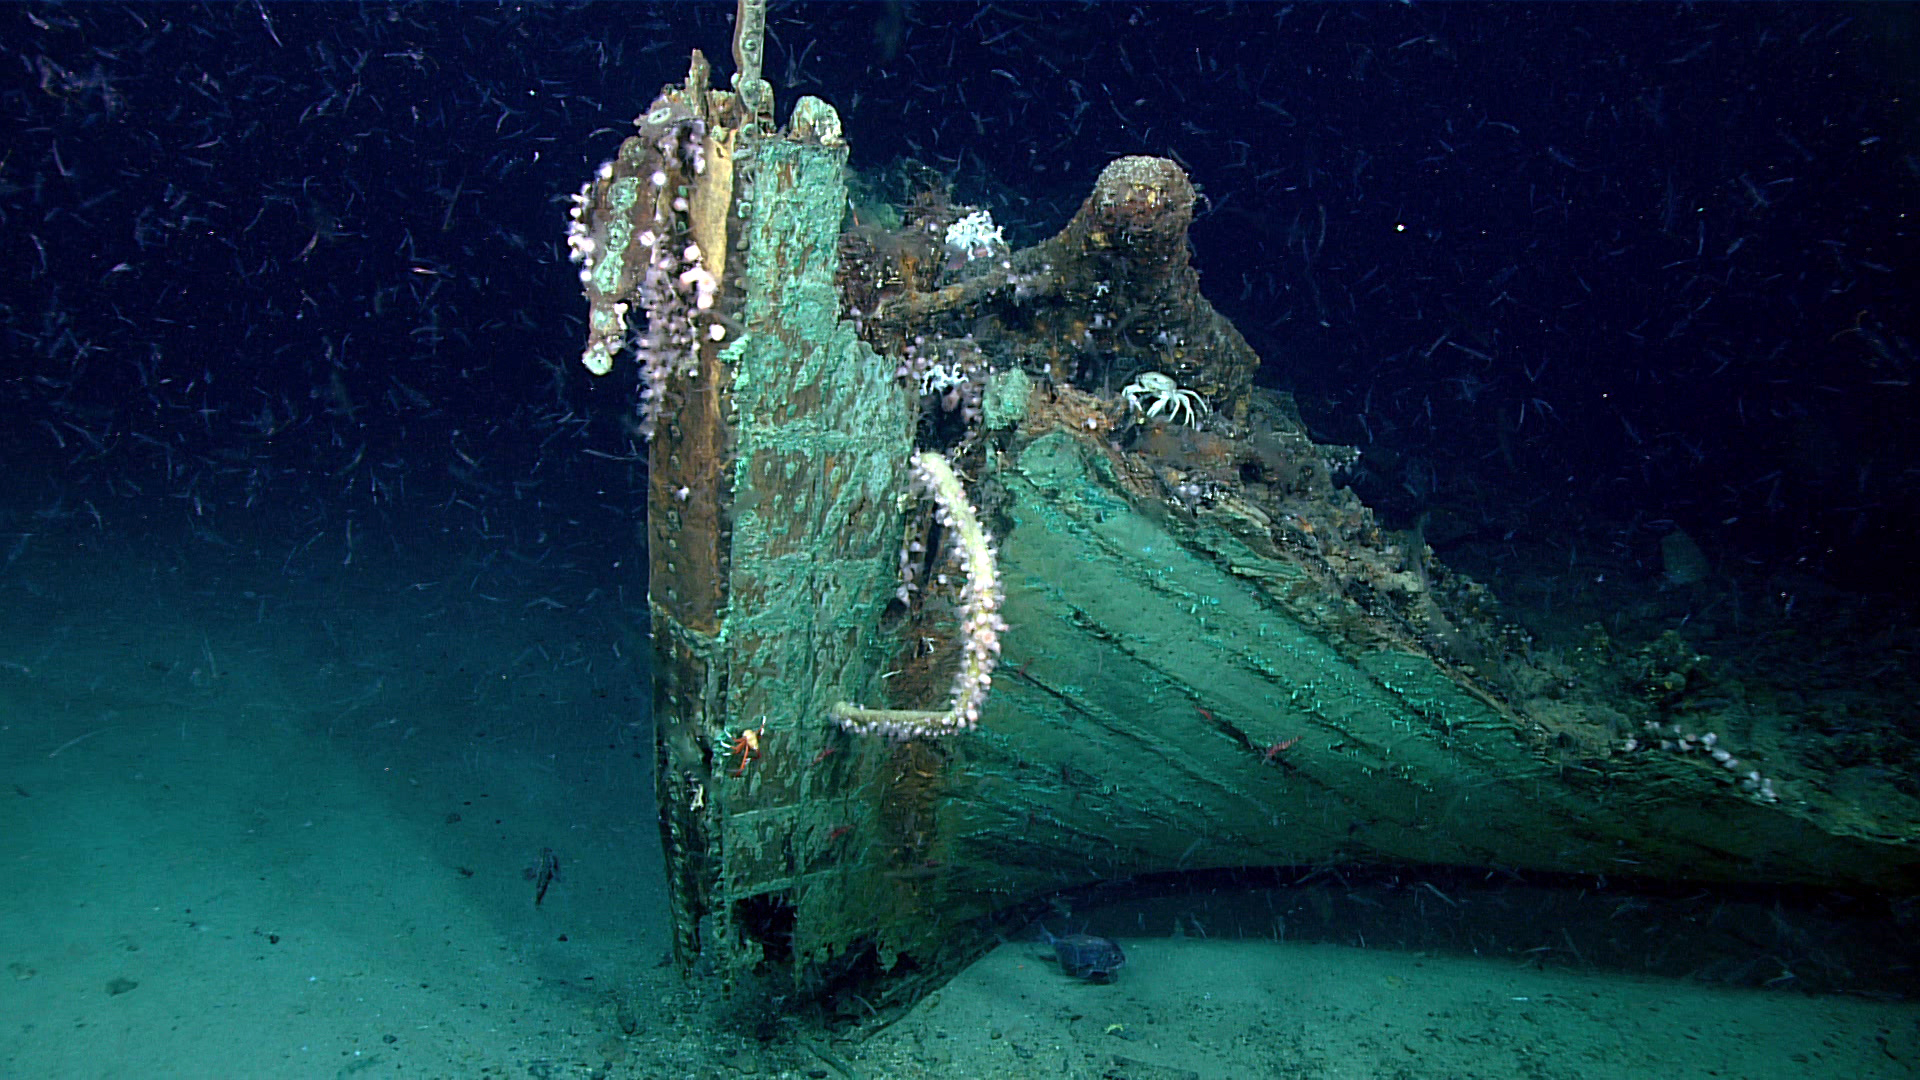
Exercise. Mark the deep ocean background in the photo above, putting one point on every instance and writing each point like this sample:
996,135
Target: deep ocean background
322,578
1620,265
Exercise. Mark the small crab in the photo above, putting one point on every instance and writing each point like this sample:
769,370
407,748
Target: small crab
747,746
1166,394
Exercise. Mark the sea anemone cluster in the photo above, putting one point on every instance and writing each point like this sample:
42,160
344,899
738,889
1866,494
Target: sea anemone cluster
628,230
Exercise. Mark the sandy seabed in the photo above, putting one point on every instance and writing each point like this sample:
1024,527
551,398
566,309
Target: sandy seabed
262,826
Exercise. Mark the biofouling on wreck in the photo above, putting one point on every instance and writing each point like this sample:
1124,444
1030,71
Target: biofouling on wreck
1208,652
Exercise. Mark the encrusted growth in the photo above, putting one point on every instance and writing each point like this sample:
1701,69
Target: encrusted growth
629,233
980,622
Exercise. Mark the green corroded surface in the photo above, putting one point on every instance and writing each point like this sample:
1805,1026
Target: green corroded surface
823,432
1159,661
1177,691
1005,402
608,271
821,435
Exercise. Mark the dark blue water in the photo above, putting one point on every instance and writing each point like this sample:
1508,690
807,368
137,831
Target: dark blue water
301,466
